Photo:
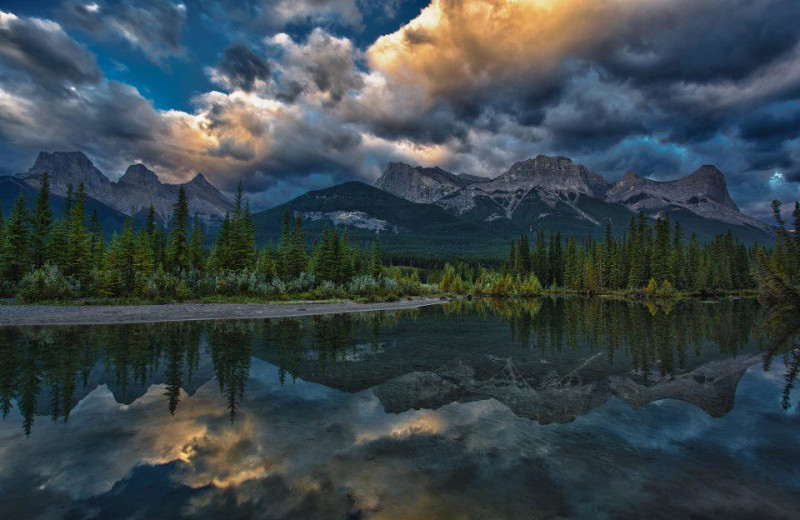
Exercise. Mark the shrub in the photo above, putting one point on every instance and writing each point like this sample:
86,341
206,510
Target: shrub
652,288
391,285
666,290
302,283
161,285
326,290
47,283
364,285
530,286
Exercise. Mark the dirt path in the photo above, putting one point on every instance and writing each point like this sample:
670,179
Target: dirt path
111,314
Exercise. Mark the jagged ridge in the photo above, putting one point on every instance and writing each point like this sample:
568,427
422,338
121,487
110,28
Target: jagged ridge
544,188
135,191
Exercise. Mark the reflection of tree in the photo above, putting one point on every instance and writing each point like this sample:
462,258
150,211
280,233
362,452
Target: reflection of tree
58,361
49,366
231,345
778,277
9,368
652,336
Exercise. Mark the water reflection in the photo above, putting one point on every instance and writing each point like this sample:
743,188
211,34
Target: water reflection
564,408
550,360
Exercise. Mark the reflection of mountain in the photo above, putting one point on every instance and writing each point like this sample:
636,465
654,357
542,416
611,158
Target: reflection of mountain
547,360
711,386
127,389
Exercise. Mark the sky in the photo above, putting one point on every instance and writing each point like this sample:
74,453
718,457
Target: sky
292,95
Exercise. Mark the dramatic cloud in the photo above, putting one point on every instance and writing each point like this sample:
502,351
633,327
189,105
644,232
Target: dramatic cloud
240,68
41,49
153,26
322,68
243,16
660,87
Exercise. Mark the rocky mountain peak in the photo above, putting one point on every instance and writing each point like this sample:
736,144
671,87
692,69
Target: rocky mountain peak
558,174
199,180
64,169
137,189
138,175
708,181
630,177
420,184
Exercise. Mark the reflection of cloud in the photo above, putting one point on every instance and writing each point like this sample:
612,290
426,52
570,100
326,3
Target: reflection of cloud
405,425
308,451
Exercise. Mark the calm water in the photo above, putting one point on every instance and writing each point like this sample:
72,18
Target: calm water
548,409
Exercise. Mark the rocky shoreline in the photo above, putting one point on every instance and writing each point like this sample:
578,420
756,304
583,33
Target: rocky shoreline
21,315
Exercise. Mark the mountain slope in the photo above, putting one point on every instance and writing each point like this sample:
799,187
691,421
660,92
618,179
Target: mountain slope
135,191
423,185
704,193
540,193
406,229
553,193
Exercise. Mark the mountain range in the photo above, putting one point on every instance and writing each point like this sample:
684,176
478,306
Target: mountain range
426,211
132,194
432,212
547,191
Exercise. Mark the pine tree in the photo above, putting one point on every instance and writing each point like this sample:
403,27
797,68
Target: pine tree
571,264
16,261
552,262
96,240
608,257
511,262
661,251
42,222
345,258
151,220
196,251
377,261
179,236
523,257
540,263
694,262
297,249
678,258
77,258
284,247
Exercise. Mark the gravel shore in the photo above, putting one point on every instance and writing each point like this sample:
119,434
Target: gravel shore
11,315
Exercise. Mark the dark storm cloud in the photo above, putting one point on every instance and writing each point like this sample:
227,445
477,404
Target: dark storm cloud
242,67
702,41
43,51
153,26
658,87
771,127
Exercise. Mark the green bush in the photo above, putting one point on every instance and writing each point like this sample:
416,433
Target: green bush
364,285
47,283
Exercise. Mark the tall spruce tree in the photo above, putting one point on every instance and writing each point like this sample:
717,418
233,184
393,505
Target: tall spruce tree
196,250
179,233
77,259
15,261
42,222
377,260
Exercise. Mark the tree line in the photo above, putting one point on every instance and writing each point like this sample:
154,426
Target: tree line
653,256
778,278
47,258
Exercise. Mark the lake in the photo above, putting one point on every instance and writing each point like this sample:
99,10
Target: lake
553,408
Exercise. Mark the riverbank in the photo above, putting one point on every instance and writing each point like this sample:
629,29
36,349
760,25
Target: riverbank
12,315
